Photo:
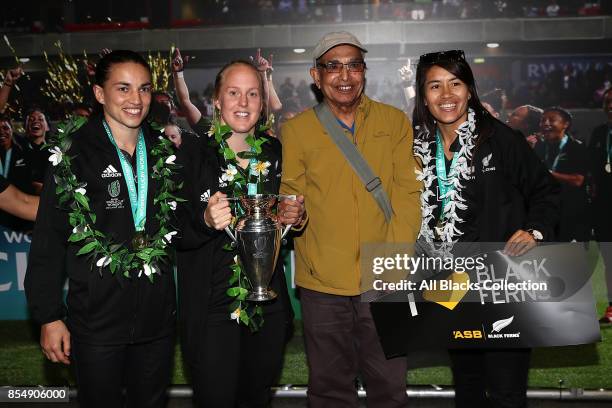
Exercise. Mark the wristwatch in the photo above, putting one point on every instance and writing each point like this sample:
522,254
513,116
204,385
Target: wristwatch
537,235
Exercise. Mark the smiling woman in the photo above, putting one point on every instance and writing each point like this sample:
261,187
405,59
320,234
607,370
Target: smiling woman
233,348
104,222
483,183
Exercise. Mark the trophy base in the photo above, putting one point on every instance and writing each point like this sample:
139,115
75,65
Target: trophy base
261,295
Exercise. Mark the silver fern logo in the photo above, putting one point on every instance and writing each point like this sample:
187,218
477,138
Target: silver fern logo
486,160
498,326
501,324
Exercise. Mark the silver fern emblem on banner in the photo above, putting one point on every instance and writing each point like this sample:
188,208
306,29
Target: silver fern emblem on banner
500,324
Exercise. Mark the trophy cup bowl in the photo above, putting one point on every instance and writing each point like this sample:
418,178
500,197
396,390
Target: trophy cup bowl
258,235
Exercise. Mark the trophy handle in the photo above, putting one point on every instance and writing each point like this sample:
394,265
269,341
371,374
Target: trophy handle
286,230
231,235
287,227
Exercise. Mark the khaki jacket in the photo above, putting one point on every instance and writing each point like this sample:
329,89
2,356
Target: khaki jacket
342,214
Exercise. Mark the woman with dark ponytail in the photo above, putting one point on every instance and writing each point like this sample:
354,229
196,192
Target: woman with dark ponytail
105,221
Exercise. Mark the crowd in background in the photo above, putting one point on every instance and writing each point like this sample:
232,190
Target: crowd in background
79,15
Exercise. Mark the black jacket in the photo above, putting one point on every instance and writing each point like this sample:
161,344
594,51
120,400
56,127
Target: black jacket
202,262
101,308
510,189
19,175
574,223
602,183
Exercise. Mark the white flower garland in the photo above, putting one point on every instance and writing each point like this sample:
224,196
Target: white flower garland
448,232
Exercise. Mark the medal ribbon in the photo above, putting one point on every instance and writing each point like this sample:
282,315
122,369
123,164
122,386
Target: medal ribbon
252,187
443,182
561,146
138,199
4,167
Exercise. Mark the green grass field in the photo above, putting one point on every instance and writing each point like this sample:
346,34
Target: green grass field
589,367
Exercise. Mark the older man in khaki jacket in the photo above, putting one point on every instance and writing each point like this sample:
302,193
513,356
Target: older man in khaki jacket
341,215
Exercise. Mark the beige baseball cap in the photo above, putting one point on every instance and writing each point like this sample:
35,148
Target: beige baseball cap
330,40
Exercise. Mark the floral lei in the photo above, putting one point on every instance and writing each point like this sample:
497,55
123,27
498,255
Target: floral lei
98,246
448,231
238,178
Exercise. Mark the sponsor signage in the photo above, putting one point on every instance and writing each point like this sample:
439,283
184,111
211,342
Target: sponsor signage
543,298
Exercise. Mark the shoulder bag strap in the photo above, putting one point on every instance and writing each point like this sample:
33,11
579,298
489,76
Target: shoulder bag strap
371,182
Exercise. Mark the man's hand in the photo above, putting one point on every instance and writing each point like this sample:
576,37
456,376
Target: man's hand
12,75
55,341
178,62
519,243
291,211
218,214
263,65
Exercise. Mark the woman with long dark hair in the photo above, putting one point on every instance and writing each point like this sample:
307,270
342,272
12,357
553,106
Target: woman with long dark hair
233,347
483,184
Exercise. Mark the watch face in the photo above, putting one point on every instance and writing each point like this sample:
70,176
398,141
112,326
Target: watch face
537,235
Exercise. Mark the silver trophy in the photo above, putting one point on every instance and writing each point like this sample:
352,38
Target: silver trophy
258,235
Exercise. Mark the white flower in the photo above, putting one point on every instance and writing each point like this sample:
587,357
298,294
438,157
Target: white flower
56,156
235,315
170,159
147,269
229,173
104,261
81,190
260,168
168,236
172,205
78,229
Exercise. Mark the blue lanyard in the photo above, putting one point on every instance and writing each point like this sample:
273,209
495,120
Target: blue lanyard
252,187
561,146
444,183
4,167
138,199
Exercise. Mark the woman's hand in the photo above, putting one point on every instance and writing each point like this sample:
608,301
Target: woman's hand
519,243
218,214
292,211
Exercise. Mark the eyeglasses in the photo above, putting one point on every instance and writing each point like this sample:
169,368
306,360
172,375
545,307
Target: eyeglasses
450,56
335,67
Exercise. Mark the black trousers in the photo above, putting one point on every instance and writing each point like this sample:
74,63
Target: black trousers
342,343
490,378
236,368
144,370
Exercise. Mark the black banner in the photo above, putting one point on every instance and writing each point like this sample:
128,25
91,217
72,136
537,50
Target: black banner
541,299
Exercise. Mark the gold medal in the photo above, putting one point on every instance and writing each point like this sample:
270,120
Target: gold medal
608,168
139,241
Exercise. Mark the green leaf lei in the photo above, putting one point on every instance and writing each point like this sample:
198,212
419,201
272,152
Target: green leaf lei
242,311
94,243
